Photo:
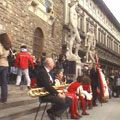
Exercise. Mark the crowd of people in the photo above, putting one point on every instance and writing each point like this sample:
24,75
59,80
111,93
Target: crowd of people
45,72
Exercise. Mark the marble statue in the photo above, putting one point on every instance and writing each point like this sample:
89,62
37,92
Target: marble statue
74,36
90,43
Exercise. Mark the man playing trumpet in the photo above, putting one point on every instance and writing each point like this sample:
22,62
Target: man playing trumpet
44,79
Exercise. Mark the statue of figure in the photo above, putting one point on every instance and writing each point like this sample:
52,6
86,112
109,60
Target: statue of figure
74,34
92,54
90,43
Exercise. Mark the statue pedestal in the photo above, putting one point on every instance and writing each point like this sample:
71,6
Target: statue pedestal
79,67
74,69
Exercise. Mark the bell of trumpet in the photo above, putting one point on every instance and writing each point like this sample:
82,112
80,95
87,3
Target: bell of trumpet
35,92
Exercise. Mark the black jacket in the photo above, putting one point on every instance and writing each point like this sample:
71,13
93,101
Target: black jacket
43,80
94,75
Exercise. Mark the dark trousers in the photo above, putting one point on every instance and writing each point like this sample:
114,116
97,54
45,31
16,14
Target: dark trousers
117,90
59,105
94,91
4,82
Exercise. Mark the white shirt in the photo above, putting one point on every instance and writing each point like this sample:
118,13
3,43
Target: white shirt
51,79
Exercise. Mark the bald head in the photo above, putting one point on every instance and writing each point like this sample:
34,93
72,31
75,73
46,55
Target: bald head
49,63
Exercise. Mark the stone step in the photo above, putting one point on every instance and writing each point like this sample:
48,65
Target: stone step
32,116
18,101
14,87
17,93
19,111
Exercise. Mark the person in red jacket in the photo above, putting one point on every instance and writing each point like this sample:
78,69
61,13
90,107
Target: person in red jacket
73,89
22,62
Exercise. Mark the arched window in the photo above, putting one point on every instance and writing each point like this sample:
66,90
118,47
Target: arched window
38,42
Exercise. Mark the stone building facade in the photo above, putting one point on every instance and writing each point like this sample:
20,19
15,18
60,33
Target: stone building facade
42,26
36,23
94,13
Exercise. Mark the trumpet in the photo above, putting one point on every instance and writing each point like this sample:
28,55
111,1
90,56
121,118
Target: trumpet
35,92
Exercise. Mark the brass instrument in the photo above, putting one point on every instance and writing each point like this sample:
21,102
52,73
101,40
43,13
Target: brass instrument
35,92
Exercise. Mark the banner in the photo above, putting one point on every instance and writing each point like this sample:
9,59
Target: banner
102,82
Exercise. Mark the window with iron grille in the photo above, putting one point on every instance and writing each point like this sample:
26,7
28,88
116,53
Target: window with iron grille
48,6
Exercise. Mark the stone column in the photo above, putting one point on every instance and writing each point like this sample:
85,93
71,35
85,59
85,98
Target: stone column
66,12
118,47
83,23
66,20
84,27
113,44
106,43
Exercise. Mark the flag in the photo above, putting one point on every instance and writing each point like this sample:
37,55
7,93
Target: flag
102,82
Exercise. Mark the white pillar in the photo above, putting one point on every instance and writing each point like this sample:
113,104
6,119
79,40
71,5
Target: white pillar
84,22
66,12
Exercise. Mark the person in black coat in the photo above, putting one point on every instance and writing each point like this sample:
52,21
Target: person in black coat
44,79
94,82
62,63
117,83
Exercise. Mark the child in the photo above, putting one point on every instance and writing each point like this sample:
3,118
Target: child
73,107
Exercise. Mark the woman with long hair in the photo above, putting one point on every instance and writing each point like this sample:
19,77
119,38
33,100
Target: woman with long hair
5,45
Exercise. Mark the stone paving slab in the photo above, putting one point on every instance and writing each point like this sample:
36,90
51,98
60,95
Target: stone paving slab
108,111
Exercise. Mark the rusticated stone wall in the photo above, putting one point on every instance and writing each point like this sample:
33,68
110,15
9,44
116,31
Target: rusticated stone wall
17,20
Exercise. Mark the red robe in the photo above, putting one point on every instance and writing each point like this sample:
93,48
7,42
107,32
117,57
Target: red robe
72,89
